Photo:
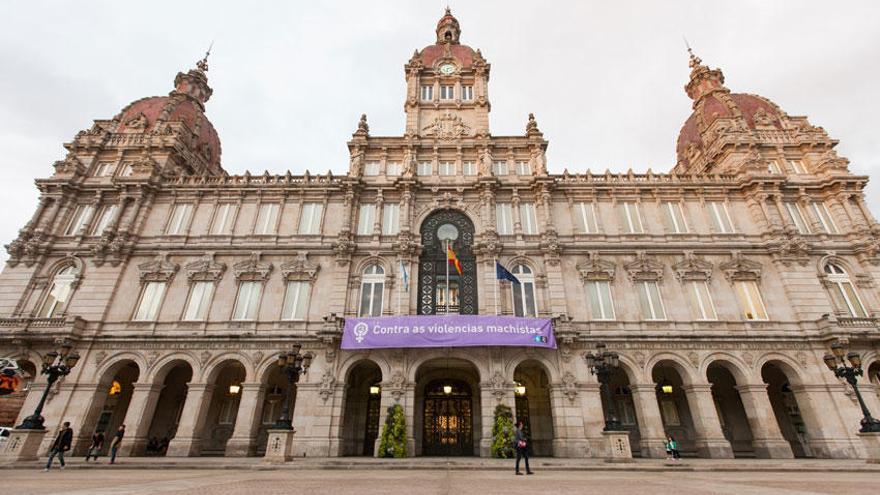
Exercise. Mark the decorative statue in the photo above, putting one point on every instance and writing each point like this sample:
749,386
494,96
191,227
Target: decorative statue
485,163
356,165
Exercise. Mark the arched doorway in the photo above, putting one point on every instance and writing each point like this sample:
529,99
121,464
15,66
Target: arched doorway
447,419
674,409
731,413
360,425
532,398
458,294
621,397
10,405
786,409
223,411
109,404
169,407
273,403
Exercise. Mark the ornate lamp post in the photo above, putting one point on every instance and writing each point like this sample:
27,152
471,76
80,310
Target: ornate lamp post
293,364
837,364
55,365
602,364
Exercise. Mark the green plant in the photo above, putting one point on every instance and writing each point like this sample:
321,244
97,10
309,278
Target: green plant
503,432
393,443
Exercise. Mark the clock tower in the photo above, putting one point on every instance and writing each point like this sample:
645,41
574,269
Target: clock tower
447,87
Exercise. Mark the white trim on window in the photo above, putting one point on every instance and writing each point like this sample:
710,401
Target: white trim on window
180,217
425,168
199,301
650,300
247,301
371,168
150,301
447,92
825,218
82,215
366,218
468,168
504,218
59,293
797,166
447,168
585,213
843,292
524,303
499,168
267,219
392,168
372,291
310,218
467,93
390,218
600,299
797,217
632,218
720,217
702,297
296,300
750,300
104,219
523,168
427,92
528,218
675,217
223,219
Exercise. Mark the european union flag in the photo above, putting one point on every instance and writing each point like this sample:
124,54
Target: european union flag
502,273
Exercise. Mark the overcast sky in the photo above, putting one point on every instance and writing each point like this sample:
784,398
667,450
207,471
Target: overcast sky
290,80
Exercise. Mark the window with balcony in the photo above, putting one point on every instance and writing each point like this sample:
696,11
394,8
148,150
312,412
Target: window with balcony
372,289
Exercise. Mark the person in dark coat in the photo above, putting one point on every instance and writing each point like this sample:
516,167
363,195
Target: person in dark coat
61,445
117,441
96,446
521,445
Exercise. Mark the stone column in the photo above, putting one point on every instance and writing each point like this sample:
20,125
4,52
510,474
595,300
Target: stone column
710,439
653,438
243,441
138,418
316,417
767,439
487,417
827,434
188,440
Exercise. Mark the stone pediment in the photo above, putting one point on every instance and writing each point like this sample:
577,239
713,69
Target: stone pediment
205,269
300,268
158,270
596,269
447,126
252,269
692,268
740,268
644,269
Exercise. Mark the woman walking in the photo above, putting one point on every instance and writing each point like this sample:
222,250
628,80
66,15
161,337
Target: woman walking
521,445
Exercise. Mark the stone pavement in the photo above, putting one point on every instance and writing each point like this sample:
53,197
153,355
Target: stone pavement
118,480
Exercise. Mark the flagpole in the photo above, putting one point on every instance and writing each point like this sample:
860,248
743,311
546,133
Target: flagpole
447,276
496,285
399,285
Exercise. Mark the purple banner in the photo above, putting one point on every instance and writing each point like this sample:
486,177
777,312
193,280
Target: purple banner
447,331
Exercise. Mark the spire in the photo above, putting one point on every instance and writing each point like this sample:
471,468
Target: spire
448,29
202,64
194,83
703,80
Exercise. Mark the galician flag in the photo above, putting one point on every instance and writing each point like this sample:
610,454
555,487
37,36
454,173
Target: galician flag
404,276
452,258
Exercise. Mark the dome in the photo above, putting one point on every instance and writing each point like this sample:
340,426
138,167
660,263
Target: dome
447,44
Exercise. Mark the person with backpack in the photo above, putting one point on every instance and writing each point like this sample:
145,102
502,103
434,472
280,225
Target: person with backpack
521,445
96,446
117,441
61,445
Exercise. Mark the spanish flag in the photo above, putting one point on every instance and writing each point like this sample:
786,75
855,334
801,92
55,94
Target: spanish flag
452,258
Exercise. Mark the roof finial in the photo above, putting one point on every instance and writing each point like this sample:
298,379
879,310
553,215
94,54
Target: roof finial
203,63
448,10
694,60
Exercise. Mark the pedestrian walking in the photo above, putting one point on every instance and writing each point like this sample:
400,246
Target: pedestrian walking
521,445
672,448
96,446
61,445
117,441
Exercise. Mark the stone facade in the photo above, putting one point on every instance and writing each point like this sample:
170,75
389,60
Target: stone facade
720,283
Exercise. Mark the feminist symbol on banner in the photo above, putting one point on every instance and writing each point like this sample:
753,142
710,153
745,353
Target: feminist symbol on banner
360,331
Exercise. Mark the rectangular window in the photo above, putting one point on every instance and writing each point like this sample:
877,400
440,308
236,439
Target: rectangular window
750,300
295,301
773,167
179,221
468,168
504,218
104,169
371,168
467,93
720,217
310,219
199,300
126,169
585,217
797,217
699,290
223,219
82,215
366,218
447,168
151,299
104,219
248,300
267,218
390,218
825,218
528,219
675,218
427,93
523,168
844,295
425,168
631,219
650,301
499,168
797,166
599,297
392,168
447,92
371,298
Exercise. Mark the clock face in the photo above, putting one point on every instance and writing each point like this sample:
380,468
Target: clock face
447,69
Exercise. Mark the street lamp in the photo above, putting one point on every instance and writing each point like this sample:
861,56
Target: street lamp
837,364
602,364
293,364
55,365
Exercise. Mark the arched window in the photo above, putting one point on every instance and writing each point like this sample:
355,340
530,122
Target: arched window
60,292
842,291
372,289
524,292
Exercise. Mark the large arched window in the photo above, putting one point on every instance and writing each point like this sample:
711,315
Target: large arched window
524,292
372,289
59,293
842,291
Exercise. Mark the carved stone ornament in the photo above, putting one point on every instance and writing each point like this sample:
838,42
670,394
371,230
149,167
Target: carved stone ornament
397,385
300,268
692,268
158,270
569,386
763,119
739,268
447,126
100,356
205,269
596,269
829,161
328,381
252,269
694,358
644,269
152,357
138,122
748,358
204,357
791,249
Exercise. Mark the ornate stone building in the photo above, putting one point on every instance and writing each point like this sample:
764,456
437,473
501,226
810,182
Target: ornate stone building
720,282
